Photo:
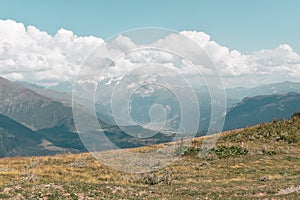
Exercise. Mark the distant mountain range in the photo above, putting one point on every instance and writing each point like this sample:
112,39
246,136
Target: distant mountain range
275,88
141,104
32,123
39,121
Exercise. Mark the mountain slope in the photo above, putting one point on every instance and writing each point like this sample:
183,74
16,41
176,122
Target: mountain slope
30,108
18,140
259,162
52,120
260,109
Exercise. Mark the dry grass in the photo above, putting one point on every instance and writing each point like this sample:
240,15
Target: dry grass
270,170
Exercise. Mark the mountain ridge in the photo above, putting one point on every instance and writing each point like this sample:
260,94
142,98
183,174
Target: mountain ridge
263,108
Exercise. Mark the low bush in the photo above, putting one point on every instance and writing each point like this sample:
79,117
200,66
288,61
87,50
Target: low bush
229,151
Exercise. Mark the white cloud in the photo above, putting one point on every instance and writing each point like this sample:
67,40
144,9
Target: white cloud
28,54
264,66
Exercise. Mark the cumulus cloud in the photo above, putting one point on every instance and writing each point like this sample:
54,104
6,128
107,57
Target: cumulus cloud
264,66
29,54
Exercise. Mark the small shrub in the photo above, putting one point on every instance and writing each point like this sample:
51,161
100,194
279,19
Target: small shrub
296,115
166,178
153,179
190,150
179,151
271,153
225,152
150,179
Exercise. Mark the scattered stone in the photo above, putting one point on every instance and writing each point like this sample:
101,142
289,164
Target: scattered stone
57,187
150,179
264,178
77,164
289,190
5,169
66,195
47,186
18,187
7,190
19,197
80,196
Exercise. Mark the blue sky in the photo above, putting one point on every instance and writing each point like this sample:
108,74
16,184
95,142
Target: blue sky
238,24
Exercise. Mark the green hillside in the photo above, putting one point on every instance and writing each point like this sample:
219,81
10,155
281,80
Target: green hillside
260,162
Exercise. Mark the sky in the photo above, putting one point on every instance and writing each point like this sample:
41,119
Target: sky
242,25
252,42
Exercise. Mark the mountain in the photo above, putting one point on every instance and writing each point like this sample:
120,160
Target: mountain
60,96
18,140
32,109
142,108
52,121
63,97
62,87
144,98
275,88
260,109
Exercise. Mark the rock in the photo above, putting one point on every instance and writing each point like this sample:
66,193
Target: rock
80,196
289,190
7,190
264,178
66,195
19,197
57,187
18,187
47,186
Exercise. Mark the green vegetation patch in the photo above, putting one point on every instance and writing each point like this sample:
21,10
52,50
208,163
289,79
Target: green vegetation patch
229,151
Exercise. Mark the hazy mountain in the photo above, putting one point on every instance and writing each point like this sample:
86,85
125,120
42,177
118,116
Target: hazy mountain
276,88
30,85
51,119
53,124
37,108
32,109
66,99
259,109
60,96
142,101
145,98
62,87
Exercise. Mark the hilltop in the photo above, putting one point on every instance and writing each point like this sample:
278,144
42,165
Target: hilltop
253,163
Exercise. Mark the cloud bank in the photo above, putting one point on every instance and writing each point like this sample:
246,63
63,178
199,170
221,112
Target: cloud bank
28,54
31,55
